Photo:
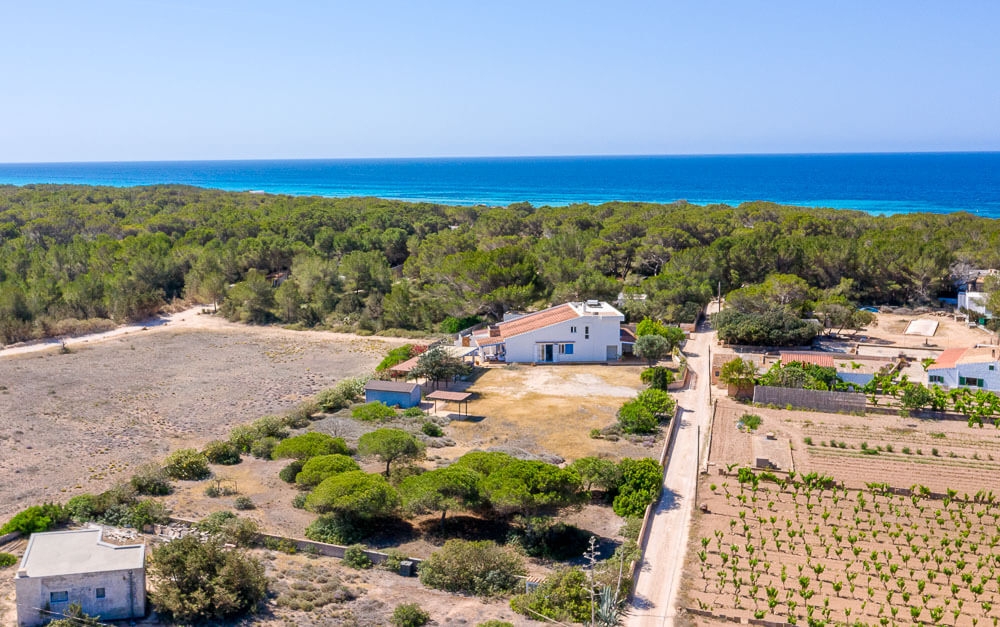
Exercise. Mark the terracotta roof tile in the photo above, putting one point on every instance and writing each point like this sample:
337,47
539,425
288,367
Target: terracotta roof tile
818,359
948,358
539,320
978,355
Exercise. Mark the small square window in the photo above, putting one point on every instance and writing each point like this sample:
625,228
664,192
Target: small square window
572,329
993,367
59,597
100,593
586,333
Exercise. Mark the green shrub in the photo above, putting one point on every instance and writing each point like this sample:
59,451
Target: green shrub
452,324
409,615
315,470
82,507
544,537
308,445
243,437
635,417
413,412
287,474
337,529
495,623
750,422
481,568
376,411
355,557
219,452
563,596
36,518
657,377
657,401
299,502
341,395
187,464
148,512
150,479
640,485
431,429
244,503
394,357
264,447
303,413
6,559
230,528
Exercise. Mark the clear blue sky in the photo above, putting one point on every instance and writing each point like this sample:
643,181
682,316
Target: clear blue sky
215,79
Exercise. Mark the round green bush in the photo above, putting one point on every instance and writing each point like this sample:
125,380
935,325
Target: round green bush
355,557
317,469
308,445
6,559
264,447
409,615
187,464
244,503
375,411
287,474
224,453
151,480
431,429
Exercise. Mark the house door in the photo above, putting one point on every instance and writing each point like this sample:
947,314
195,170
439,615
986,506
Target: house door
612,352
548,352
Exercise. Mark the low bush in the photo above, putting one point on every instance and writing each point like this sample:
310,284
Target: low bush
6,559
244,503
151,479
750,422
394,357
409,615
376,411
355,557
148,512
472,567
36,518
270,427
230,528
657,377
495,623
640,485
220,452
413,412
431,429
393,559
264,447
287,474
315,470
635,417
341,395
308,445
186,464
563,596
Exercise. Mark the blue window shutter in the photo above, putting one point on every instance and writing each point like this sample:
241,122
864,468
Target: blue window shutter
569,349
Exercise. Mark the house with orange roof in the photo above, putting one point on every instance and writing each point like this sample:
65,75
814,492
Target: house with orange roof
572,332
975,367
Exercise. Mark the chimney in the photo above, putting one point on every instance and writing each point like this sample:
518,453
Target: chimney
494,331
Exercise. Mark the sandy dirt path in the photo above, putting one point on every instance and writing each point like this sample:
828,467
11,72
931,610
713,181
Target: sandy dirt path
662,565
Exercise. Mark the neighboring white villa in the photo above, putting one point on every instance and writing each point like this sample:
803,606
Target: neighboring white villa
571,332
976,367
973,301
63,567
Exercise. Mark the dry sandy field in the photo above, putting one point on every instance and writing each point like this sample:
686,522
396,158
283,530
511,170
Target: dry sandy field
80,421
838,555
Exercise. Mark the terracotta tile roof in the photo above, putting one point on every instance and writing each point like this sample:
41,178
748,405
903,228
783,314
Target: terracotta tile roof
978,355
948,358
824,360
539,320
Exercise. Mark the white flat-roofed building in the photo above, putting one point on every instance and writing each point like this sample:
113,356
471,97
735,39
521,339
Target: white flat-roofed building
64,567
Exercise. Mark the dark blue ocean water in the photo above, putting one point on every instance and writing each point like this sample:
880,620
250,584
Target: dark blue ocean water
877,183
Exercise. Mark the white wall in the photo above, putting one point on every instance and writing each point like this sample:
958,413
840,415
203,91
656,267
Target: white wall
604,331
973,301
33,592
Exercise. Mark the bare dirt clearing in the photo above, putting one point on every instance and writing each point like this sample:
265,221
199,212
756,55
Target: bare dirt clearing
548,410
79,422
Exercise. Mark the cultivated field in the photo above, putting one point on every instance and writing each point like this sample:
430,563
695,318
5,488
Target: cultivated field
850,552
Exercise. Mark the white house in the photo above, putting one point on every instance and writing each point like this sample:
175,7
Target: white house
63,567
973,301
977,367
571,332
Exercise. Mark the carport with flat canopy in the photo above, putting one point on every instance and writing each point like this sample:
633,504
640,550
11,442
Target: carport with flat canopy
452,397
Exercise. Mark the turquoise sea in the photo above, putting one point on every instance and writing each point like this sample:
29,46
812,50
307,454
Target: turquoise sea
877,183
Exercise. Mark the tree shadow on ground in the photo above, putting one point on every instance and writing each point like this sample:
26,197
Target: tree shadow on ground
464,527
390,532
669,500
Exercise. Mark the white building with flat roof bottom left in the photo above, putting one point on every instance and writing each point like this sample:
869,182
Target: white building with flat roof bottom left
64,567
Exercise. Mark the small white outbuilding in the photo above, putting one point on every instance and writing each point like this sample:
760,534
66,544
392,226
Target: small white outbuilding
64,567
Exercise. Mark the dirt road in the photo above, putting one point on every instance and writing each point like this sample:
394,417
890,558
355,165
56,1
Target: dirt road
659,579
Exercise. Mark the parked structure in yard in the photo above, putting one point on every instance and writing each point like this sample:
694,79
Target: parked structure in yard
567,333
977,367
64,567
402,393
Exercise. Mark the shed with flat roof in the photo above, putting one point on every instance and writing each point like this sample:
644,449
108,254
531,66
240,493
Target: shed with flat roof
63,567
404,394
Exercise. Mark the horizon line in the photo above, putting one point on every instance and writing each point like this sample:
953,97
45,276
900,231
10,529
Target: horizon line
511,157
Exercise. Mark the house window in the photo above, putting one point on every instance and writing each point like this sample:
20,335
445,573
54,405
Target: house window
936,378
59,597
572,329
565,349
100,593
993,367
586,333
970,381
